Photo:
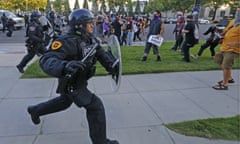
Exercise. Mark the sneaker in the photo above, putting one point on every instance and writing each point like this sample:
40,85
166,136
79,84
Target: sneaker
194,56
20,69
112,142
34,116
144,58
158,58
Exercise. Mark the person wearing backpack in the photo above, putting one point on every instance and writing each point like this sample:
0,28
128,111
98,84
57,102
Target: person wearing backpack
189,38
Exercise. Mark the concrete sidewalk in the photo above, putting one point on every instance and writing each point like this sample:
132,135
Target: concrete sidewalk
135,114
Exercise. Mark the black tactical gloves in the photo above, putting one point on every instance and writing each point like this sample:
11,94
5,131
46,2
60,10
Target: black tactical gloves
73,66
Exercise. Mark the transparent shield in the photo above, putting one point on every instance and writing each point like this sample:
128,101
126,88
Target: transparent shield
113,48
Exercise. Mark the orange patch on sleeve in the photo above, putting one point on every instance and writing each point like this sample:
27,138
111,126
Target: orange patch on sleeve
56,45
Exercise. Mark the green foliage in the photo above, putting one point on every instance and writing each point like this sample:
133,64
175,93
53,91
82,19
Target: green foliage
137,9
131,64
48,6
214,128
85,4
76,5
23,5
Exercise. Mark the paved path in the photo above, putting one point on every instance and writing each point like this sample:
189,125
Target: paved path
136,114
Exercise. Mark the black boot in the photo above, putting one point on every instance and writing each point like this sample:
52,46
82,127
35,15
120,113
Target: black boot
112,142
144,58
158,58
20,69
34,116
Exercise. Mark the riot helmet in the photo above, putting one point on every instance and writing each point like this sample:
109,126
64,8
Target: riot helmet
35,15
78,20
52,14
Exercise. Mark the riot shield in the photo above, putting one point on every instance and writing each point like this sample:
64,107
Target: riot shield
113,48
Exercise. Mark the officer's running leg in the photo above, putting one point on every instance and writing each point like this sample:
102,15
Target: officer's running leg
54,105
28,57
82,97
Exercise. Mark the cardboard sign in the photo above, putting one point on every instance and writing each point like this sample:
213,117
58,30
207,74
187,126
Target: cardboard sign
155,40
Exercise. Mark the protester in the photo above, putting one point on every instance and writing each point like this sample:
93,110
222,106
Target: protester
189,38
178,31
212,41
130,32
230,50
64,61
156,28
117,27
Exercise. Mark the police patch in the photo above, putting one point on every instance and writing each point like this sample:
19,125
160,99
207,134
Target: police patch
56,45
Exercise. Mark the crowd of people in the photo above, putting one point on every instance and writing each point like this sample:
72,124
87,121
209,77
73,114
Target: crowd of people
42,28
62,54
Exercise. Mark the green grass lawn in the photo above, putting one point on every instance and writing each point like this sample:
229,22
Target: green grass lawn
217,128
131,64
220,128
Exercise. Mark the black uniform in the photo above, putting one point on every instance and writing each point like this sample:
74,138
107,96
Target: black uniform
190,40
63,61
34,44
74,48
10,27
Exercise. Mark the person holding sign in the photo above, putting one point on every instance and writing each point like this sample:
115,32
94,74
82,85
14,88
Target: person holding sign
156,28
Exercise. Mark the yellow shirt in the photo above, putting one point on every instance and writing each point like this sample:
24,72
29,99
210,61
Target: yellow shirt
231,41
229,26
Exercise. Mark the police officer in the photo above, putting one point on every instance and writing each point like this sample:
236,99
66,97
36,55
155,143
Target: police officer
64,61
34,42
55,22
178,31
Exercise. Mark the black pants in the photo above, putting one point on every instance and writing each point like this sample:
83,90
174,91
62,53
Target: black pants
137,35
10,30
186,47
28,57
32,51
212,45
82,98
178,43
4,27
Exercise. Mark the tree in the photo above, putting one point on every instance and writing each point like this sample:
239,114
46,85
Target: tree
103,6
23,5
57,5
94,6
85,4
76,5
130,8
67,9
154,5
137,9
48,6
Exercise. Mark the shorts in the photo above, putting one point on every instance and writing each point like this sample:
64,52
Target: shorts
228,59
